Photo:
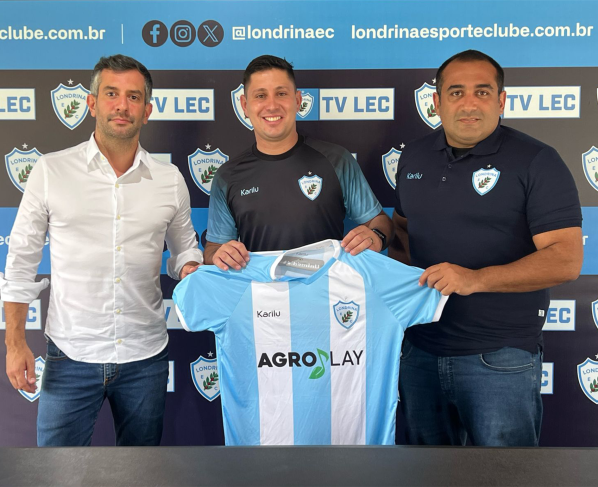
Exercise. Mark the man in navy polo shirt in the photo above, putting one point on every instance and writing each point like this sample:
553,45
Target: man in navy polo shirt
493,217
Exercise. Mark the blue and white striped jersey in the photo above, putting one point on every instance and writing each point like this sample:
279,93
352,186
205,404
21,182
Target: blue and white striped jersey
308,342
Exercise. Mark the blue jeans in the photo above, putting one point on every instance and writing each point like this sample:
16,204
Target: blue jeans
72,394
494,398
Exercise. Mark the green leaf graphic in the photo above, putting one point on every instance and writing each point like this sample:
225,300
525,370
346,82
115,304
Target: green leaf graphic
317,372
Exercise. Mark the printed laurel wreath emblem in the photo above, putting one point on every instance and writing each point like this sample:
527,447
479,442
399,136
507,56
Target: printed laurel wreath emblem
596,176
431,111
24,174
347,316
210,381
594,386
484,182
208,174
312,188
71,109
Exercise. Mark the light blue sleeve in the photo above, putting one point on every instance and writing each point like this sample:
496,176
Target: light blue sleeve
221,224
397,285
206,299
360,202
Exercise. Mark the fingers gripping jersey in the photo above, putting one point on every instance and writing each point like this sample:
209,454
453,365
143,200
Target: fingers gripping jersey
308,342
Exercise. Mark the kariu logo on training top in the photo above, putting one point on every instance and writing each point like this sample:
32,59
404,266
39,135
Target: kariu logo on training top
587,373
590,166
40,364
70,104
390,161
204,373
484,180
309,359
424,101
203,166
311,186
307,103
346,313
19,165
235,97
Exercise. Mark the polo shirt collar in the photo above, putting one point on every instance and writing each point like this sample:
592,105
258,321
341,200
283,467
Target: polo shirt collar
489,145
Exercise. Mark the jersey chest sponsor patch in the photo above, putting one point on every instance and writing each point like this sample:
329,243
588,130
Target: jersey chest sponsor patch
311,186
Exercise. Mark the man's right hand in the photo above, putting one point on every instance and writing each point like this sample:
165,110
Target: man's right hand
231,254
20,367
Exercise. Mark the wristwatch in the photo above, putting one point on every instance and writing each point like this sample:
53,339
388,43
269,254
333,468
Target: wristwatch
381,236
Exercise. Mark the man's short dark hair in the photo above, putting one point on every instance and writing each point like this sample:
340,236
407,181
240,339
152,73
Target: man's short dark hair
120,63
470,56
266,62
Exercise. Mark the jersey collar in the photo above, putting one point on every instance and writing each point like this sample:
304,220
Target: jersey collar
300,262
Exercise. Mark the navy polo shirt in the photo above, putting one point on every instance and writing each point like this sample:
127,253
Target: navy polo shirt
479,210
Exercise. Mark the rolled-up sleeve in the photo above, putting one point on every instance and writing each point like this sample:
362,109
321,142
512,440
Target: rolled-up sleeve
27,240
180,235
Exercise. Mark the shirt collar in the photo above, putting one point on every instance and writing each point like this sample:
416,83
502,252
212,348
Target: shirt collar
489,145
93,152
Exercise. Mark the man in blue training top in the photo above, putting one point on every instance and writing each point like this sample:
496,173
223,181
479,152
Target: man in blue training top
287,190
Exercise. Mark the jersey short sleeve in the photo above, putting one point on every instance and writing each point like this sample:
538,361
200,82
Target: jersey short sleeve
221,224
398,286
552,198
207,298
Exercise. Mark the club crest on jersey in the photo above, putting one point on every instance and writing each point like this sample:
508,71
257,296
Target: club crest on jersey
204,372
346,313
70,104
40,365
390,161
484,180
307,103
311,186
235,97
203,166
590,166
587,373
424,101
19,165
595,312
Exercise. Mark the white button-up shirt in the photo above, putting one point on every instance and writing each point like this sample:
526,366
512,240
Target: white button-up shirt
106,242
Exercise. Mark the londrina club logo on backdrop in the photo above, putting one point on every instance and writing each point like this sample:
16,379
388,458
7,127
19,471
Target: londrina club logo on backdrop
204,372
203,166
19,164
40,365
307,103
235,97
424,101
182,33
590,166
70,104
390,161
587,373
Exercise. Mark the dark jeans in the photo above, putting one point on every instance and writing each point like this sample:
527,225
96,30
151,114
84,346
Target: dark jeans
494,398
72,394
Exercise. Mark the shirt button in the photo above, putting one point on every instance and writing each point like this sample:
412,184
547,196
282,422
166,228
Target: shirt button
118,311
117,280
119,341
443,178
118,217
116,185
450,165
118,248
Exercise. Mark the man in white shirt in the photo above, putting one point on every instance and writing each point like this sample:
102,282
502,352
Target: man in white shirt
107,207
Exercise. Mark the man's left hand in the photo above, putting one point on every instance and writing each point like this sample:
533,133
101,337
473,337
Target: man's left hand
450,278
360,239
188,268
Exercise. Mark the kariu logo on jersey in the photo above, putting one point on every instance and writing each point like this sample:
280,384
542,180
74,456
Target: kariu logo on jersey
346,313
424,101
484,180
590,166
203,166
254,189
204,373
307,103
40,364
587,373
19,165
311,186
595,312
390,161
70,104
235,97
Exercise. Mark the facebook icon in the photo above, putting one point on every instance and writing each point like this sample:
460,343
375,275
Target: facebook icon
154,33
